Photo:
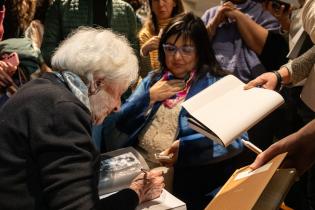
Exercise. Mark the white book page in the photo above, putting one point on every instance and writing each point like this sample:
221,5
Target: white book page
219,88
230,114
164,202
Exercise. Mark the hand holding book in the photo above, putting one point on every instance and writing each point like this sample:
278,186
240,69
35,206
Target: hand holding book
224,111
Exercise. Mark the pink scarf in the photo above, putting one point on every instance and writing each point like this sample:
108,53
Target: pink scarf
171,102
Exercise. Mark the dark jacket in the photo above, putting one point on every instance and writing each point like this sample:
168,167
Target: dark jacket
46,155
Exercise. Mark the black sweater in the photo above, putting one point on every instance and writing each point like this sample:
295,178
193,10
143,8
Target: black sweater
47,157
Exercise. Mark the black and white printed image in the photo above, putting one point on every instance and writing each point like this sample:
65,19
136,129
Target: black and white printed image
118,171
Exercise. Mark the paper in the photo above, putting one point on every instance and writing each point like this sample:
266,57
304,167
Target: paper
249,172
165,201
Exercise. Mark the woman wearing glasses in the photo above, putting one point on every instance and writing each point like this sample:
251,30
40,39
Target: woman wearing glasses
153,121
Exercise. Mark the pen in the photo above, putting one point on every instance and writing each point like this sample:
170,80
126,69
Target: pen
145,179
251,146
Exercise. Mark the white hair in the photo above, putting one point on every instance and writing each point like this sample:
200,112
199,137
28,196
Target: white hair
89,50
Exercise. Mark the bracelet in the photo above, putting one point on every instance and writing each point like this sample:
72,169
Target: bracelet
279,81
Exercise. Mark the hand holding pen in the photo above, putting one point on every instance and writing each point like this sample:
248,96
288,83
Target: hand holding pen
148,185
251,146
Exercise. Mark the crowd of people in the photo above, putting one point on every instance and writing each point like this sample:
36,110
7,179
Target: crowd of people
82,77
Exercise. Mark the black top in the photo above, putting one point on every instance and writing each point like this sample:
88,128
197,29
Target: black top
274,53
100,13
47,157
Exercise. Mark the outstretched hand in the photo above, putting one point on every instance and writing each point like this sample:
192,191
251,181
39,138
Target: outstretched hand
148,185
300,147
267,80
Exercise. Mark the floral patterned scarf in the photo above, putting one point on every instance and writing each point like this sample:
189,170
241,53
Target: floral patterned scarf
179,96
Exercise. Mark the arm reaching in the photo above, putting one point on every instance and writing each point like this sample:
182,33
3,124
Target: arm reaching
300,147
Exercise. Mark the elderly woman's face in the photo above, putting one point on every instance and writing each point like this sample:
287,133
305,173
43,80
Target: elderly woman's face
105,98
180,56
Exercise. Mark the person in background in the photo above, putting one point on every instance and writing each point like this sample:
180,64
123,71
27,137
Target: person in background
161,11
244,35
45,135
153,121
64,16
19,15
137,5
30,60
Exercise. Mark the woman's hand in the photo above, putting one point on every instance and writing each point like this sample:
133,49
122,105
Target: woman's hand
6,71
148,185
171,152
150,45
164,89
267,80
220,16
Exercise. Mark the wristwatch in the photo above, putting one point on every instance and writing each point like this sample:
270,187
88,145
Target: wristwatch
279,81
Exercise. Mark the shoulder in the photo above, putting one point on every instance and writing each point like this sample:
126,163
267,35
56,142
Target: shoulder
121,6
48,92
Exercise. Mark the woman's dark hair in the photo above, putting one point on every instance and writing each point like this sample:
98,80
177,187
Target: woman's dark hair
191,27
152,22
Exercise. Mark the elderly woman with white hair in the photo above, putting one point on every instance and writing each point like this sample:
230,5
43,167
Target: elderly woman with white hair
47,157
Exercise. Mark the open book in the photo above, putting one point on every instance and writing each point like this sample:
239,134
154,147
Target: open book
224,110
120,167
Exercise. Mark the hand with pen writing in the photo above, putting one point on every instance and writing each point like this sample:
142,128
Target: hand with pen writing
148,185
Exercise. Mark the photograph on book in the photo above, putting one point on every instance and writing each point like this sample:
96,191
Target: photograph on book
117,172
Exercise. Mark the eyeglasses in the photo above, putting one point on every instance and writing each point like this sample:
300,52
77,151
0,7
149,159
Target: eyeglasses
185,51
